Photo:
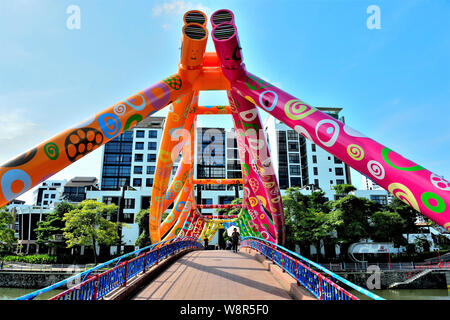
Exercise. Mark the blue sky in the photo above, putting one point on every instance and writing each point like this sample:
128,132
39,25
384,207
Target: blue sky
393,83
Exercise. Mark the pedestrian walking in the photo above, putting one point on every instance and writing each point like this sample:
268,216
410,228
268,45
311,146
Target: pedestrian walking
235,239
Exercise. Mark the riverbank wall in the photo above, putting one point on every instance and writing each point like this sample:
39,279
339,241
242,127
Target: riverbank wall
32,280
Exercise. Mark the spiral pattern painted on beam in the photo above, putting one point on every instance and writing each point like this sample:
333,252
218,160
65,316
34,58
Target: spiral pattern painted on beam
51,151
376,169
301,130
110,125
134,103
120,109
296,109
355,152
403,193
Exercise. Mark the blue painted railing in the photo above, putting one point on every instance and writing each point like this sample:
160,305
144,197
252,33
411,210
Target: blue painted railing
96,286
323,286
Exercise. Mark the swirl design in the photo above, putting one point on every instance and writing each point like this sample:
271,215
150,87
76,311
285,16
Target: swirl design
355,152
264,101
51,151
177,186
110,125
376,169
447,226
403,193
131,102
436,204
296,109
134,118
120,109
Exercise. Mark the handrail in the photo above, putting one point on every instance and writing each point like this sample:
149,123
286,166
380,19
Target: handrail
87,273
318,266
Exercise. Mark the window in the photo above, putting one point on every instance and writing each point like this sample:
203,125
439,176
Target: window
294,158
339,171
381,199
151,157
329,158
331,181
45,203
313,147
294,170
53,196
207,201
152,145
314,159
316,182
174,169
111,200
46,195
125,171
139,146
292,135
149,182
140,134
137,170
340,181
151,170
329,169
295,182
336,160
137,182
129,203
110,171
293,146
316,171
138,157
152,134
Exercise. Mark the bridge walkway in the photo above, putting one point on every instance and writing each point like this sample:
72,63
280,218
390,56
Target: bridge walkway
214,275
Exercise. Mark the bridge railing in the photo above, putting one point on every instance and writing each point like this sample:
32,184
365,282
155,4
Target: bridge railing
323,286
96,284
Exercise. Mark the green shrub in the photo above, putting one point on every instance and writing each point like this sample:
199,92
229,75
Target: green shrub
35,259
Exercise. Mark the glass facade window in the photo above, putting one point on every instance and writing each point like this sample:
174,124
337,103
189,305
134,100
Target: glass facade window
140,134
137,182
153,134
316,182
139,146
339,181
314,159
316,171
151,157
381,199
283,174
336,160
111,200
207,201
138,157
294,158
137,170
313,147
292,135
149,182
293,146
174,169
151,170
129,203
152,145
294,170
296,182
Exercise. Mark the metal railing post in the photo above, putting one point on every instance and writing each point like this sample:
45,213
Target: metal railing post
145,262
95,287
126,272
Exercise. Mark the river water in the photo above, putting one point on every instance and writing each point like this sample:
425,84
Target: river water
13,293
413,294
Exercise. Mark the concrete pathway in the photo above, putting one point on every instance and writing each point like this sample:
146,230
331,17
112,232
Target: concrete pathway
214,275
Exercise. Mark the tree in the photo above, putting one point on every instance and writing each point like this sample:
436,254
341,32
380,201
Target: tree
353,214
87,225
53,224
7,237
388,226
409,215
343,189
142,219
230,211
308,219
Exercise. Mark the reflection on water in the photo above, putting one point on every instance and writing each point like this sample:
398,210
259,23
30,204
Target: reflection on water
413,294
13,293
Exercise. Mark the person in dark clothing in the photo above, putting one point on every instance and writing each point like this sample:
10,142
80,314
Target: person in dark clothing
206,243
235,238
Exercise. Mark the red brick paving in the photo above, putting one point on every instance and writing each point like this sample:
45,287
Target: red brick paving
214,275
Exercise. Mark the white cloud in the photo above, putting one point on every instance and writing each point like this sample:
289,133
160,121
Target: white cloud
178,7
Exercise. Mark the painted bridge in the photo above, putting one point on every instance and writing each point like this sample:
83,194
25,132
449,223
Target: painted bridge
181,268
